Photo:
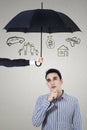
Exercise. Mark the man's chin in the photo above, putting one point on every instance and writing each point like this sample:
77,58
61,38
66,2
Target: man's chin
54,90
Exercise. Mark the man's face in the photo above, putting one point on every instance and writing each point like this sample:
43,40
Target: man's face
54,82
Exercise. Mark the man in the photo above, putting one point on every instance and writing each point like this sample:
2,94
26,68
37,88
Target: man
56,110
20,62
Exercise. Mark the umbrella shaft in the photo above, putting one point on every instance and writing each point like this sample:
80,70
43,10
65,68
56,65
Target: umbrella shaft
41,5
41,44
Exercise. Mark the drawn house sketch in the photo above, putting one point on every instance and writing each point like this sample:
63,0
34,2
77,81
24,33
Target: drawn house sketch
62,51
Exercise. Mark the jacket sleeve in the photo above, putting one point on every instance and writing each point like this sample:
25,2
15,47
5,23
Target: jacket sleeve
14,63
77,121
41,108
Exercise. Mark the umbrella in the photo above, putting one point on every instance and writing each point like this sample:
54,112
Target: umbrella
41,20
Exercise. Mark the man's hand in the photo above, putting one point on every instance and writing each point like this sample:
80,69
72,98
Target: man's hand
53,95
39,60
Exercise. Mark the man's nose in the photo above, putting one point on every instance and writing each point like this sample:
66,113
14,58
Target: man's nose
52,81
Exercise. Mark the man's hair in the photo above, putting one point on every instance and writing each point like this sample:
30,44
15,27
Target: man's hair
52,70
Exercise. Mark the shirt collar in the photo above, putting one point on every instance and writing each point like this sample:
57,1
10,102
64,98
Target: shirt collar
63,95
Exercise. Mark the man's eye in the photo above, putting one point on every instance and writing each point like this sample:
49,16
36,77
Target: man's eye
48,80
55,78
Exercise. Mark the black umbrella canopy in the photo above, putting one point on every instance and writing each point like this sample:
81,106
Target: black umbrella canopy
45,20
41,20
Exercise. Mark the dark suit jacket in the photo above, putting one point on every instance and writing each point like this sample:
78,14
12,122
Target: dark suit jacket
14,63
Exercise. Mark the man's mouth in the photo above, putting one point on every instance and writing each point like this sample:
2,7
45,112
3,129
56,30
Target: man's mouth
53,87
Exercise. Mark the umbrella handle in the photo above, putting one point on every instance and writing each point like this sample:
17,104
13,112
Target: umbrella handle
38,65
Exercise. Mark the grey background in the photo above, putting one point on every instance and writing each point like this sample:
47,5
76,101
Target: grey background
20,87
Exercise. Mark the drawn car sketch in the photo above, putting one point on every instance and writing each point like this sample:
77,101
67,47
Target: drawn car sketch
14,40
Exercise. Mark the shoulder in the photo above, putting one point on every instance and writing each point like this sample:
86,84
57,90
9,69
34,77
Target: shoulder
71,98
42,97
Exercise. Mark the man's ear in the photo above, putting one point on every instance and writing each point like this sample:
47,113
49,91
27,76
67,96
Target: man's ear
46,83
61,81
